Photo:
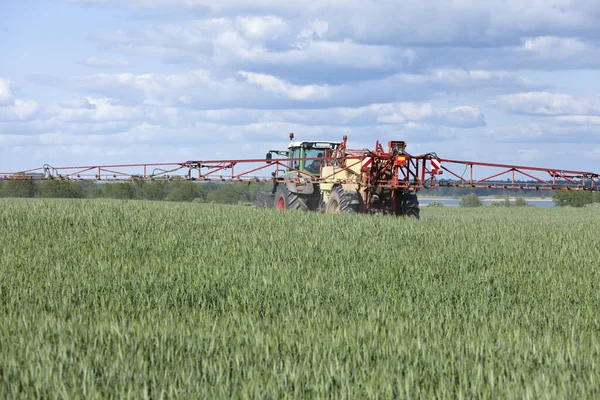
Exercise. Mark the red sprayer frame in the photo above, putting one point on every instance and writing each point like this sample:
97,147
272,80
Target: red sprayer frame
409,172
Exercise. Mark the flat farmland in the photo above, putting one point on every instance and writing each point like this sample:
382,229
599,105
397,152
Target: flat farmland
112,299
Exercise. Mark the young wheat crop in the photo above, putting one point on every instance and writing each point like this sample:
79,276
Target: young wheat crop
105,299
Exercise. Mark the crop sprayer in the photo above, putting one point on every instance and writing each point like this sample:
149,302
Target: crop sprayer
330,177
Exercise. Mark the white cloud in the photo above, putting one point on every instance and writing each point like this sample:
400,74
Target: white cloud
262,27
99,110
545,103
197,88
97,121
552,47
528,155
466,78
149,84
19,110
6,93
579,119
460,117
546,132
316,29
82,102
339,54
100,63
266,36
266,41
202,89
278,86
250,72
478,22
371,115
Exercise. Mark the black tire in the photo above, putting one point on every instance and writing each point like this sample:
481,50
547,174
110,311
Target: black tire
286,200
341,201
264,200
407,205
314,200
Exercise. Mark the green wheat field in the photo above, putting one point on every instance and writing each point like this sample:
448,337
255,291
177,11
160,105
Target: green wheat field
126,299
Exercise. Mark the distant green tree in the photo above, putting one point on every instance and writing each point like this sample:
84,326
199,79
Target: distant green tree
61,189
226,194
118,190
574,198
504,203
232,193
151,190
156,190
19,188
520,202
186,191
138,189
250,191
470,200
560,199
91,190
95,192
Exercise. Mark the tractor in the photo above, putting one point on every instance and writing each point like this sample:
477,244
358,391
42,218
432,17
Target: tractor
327,177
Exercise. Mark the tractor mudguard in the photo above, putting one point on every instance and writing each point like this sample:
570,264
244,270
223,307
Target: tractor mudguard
298,183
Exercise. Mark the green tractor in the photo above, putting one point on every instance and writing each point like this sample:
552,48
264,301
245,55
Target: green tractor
297,188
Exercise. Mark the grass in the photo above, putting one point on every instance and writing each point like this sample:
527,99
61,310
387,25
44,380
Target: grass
105,299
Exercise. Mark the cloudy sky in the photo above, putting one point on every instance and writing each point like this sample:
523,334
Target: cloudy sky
108,81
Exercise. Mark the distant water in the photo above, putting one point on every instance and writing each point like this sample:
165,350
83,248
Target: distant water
456,202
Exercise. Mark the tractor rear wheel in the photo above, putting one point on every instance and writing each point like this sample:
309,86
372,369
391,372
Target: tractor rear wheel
341,201
407,205
264,200
286,200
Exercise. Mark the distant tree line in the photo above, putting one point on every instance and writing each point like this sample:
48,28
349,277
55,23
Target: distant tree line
575,198
455,192
471,200
561,198
210,192
234,193
572,198
188,191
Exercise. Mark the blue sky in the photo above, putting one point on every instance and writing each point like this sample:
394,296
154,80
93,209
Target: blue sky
106,81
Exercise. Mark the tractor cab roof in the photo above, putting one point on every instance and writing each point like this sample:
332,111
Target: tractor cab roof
314,145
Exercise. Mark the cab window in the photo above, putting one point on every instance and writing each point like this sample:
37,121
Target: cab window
294,153
313,166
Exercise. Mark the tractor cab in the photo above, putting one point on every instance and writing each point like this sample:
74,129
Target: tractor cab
306,156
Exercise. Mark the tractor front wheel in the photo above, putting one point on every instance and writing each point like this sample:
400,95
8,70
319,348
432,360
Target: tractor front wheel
286,200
